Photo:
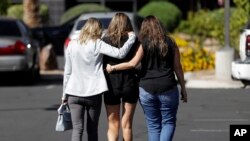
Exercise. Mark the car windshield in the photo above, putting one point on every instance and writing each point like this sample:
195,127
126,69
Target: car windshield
9,28
105,23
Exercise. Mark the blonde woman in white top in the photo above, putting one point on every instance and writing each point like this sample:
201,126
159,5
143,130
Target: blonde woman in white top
84,80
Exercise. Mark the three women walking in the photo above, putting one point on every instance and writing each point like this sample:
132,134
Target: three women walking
85,82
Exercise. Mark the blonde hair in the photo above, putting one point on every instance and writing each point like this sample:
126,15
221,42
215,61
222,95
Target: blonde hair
91,30
119,26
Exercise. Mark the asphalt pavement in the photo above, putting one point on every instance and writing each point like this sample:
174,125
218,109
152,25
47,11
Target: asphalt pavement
28,113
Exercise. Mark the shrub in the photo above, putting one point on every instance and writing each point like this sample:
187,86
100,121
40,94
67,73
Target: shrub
4,4
193,56
16,11
204,23
168,13
44,12
211,23
238,20
82,8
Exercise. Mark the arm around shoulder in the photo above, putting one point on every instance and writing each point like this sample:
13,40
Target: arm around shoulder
115,52
128,65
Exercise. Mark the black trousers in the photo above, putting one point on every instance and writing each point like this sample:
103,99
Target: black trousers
78,107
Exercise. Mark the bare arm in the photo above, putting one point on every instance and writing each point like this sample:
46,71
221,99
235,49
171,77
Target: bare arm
117,52
179,73
128,65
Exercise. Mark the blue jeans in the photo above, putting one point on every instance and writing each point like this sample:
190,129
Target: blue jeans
160,113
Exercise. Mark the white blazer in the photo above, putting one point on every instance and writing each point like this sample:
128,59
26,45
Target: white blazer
83,71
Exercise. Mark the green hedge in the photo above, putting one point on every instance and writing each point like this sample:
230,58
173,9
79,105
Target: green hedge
4,4
16,11
204,24
168,13
82,8
211,23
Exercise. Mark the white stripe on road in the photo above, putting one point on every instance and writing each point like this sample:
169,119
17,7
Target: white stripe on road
209,130
221,120
49,87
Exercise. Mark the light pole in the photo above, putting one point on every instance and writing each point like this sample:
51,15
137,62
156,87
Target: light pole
225,56
103,2
134,6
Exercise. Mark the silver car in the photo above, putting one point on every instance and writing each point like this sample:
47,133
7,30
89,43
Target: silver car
105,18
19,52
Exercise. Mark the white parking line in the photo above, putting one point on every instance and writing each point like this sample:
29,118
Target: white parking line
49,87
209,130
221,120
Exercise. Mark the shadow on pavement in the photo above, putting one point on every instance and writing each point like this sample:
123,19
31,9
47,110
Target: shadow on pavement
49,79
11,79
52,107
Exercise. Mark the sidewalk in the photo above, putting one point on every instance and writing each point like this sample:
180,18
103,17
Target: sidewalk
207,79
201,79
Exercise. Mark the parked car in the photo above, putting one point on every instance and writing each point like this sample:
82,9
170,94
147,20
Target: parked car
241,67
54,35
19,52
105,18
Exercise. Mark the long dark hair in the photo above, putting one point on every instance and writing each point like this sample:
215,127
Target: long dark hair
119,26
155,35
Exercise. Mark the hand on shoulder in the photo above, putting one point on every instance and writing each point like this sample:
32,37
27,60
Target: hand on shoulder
131,33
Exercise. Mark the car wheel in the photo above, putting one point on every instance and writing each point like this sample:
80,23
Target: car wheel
246,82
32,75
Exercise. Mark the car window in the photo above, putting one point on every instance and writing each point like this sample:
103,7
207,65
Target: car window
105,23
9,28
137,21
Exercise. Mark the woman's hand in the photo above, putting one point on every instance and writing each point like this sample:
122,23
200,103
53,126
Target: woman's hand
184,96
64,101
109,68
131,33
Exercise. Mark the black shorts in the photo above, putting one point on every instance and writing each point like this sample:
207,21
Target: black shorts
128,95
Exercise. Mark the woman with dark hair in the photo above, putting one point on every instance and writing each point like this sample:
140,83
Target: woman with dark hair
123,85
84,81
159,94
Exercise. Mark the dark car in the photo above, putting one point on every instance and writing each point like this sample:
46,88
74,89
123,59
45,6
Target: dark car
19,52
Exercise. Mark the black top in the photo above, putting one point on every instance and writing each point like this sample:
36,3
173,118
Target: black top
157,74
125,78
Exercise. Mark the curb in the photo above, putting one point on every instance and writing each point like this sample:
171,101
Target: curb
214,84
206,79
51,72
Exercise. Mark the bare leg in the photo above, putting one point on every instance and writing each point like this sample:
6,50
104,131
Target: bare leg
113,115
127,120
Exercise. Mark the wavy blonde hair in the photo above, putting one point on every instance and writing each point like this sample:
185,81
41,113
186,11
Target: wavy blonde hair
92,30
119,26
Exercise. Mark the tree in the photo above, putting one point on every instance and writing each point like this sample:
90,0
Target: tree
31,13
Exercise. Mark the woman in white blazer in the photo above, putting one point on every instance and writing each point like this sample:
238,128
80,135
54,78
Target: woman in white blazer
84,80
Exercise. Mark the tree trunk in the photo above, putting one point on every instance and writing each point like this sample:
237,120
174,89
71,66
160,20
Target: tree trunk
31,13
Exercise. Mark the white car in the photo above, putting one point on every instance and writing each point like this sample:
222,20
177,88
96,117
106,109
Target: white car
241,67
105,18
